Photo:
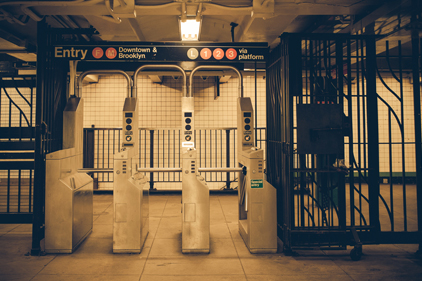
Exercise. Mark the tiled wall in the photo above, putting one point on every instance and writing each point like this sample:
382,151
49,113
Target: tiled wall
160,110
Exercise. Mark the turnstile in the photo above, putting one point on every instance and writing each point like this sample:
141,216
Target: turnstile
131,208
195,192
130,188
257,205
195,207
68,194
257,198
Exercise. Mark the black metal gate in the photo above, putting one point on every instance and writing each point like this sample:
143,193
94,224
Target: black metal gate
50,101
326,127
17,135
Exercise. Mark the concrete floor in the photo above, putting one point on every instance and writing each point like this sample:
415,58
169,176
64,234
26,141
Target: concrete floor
161,258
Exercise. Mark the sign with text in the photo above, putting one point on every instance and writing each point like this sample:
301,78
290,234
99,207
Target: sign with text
228,52
257,183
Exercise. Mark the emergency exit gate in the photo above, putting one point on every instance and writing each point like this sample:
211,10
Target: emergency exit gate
328,131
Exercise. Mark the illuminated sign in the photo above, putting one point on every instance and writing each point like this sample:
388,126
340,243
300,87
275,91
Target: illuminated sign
214,52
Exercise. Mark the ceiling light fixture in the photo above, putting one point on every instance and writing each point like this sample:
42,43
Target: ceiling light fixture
190,29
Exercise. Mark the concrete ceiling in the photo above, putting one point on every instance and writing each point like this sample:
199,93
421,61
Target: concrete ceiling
158,20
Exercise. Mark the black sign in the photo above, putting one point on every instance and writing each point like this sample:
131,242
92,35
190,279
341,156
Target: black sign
200,52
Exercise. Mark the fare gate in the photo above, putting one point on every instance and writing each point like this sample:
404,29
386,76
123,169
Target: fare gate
334,140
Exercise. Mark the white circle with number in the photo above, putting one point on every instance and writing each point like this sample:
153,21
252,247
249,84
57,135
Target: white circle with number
193,53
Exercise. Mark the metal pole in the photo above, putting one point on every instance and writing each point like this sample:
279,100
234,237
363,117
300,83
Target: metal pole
151,159
161,66
39,169
217,67
160,169
83,75
373,137
256,110
228,158
220,169
416,63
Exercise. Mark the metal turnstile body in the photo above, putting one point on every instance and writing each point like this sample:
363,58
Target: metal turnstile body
195,207
68,202
130,188
257,205
257,198
195,192
131,208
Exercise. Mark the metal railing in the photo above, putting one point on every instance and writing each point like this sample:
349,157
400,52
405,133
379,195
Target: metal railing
161,148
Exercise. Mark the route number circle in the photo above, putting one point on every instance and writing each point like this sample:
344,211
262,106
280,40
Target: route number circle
111,53
97,53
231,54
206,53
193,53
218,54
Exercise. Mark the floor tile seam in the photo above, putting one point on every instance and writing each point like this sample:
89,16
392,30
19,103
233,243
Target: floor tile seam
55,256
152,243
237,253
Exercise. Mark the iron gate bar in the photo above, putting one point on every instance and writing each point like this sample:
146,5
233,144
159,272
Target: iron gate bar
416,70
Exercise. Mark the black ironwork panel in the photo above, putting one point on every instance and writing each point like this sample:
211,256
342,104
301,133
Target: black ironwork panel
349,172
17,135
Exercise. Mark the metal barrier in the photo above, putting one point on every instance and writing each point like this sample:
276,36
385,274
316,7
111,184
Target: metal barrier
17,133
160,148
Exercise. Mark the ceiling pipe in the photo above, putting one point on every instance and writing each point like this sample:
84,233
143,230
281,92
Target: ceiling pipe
219,67
233,25
152,66
102,72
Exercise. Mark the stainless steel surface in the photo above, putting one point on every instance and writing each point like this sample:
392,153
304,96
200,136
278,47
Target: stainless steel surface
216,67
68,203
195,207
130,201
73,128
188,123
89,170
151,170
245,138
130,133
159,66
257,205
107,72
220,169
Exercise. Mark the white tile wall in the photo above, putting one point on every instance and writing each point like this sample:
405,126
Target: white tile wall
160,109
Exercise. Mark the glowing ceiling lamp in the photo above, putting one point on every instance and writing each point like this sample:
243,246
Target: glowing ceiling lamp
189,29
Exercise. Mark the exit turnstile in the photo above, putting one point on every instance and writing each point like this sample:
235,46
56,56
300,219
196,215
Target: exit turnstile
130,188
257,198
68,193
195,192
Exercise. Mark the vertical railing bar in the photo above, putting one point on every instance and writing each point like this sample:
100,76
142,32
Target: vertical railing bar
168,153
30,191
103,147
390,158
358,120
151,158
8,191
174,153
19,190
364,97
205,151
350,146
403,155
